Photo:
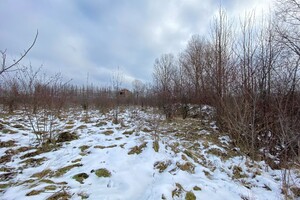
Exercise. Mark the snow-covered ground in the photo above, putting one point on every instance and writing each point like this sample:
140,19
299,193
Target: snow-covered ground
123,161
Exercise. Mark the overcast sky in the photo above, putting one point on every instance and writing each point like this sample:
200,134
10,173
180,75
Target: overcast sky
92,38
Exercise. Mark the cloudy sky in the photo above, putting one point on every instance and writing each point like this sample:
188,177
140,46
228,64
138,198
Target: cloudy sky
93,38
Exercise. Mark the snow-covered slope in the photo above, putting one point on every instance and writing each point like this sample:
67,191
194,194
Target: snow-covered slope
141,157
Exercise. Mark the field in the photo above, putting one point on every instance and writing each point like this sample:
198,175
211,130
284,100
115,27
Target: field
142,156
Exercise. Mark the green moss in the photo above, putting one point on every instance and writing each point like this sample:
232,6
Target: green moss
137,149
190,196
80,177
156,146
103,173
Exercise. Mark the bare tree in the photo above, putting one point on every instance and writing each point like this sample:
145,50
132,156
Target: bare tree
164,71
138,92
117,80
6,67
193,65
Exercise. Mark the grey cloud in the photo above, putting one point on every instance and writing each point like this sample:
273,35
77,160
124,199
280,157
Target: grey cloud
93,37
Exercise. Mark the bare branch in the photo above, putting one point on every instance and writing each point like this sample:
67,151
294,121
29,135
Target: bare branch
6,68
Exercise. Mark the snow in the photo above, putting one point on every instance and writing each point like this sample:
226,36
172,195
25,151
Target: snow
134,176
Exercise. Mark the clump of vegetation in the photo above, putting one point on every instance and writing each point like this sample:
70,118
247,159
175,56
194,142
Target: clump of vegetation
48,181
84,147
8,131
207,174
82,127
80,177
156,146
5,159
4,186
42,174
66,136
296,191
33,162
190,196
9,143
187,166
83,195
137,149
59,195
102,123
177,191
162,166
64,170
103,173
196,188
128,132
217,152
50,187
34,192
105,147
77,160
108,132
238,172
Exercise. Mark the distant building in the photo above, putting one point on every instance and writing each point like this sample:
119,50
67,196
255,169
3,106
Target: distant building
124,93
